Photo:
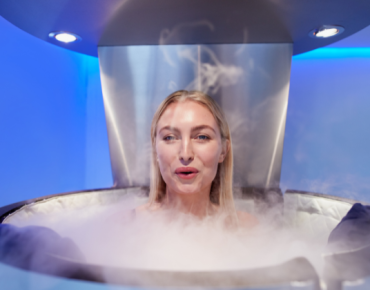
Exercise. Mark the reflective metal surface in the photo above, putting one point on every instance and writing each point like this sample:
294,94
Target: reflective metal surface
249,81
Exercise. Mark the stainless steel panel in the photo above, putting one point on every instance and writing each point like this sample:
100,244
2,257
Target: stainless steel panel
250,82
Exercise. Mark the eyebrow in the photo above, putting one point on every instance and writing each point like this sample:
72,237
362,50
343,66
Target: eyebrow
196,128
168,128
200,127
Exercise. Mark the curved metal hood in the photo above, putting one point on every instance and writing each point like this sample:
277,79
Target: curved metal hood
153,22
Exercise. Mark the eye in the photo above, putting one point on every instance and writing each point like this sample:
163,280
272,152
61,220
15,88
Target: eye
202,137
169,138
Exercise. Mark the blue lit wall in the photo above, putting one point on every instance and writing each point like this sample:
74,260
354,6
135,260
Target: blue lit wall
327,139
52,128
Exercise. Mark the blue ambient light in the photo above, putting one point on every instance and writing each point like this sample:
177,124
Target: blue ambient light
335,53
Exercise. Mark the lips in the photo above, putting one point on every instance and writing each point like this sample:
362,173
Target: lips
186,172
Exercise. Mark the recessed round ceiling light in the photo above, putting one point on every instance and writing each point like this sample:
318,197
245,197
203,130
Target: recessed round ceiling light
326,31
65,37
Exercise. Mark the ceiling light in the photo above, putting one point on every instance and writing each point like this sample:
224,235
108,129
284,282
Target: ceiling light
65,37
326,31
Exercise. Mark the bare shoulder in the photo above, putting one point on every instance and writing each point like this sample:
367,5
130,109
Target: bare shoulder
246,220
128,216
122,217
148,207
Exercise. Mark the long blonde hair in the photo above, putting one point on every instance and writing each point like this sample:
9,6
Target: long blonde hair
221,189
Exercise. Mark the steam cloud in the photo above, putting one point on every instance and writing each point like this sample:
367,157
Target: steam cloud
212,75
108,235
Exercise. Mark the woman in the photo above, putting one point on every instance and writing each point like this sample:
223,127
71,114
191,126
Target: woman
192,162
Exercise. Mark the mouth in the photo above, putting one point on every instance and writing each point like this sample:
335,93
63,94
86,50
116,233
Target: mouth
186,172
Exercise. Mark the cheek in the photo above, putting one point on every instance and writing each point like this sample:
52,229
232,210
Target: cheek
210,156
165,155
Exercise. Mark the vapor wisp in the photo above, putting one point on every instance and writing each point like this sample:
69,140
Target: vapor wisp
110,235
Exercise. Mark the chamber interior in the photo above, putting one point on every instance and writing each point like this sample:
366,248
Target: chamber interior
299,227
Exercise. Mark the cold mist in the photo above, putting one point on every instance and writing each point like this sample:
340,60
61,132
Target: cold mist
110,235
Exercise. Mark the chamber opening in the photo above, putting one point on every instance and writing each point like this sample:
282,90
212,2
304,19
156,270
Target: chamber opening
295,209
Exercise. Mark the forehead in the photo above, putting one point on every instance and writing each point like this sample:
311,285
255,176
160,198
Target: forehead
187,113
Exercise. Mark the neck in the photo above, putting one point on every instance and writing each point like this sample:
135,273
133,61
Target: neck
197,204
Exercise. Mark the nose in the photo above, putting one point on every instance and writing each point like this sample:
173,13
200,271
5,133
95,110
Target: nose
186,154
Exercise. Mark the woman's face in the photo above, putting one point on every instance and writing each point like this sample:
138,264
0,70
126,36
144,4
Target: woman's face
189,147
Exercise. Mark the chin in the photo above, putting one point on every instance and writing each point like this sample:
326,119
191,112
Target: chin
187,189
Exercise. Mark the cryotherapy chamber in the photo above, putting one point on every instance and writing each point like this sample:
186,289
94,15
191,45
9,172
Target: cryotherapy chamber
240,54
